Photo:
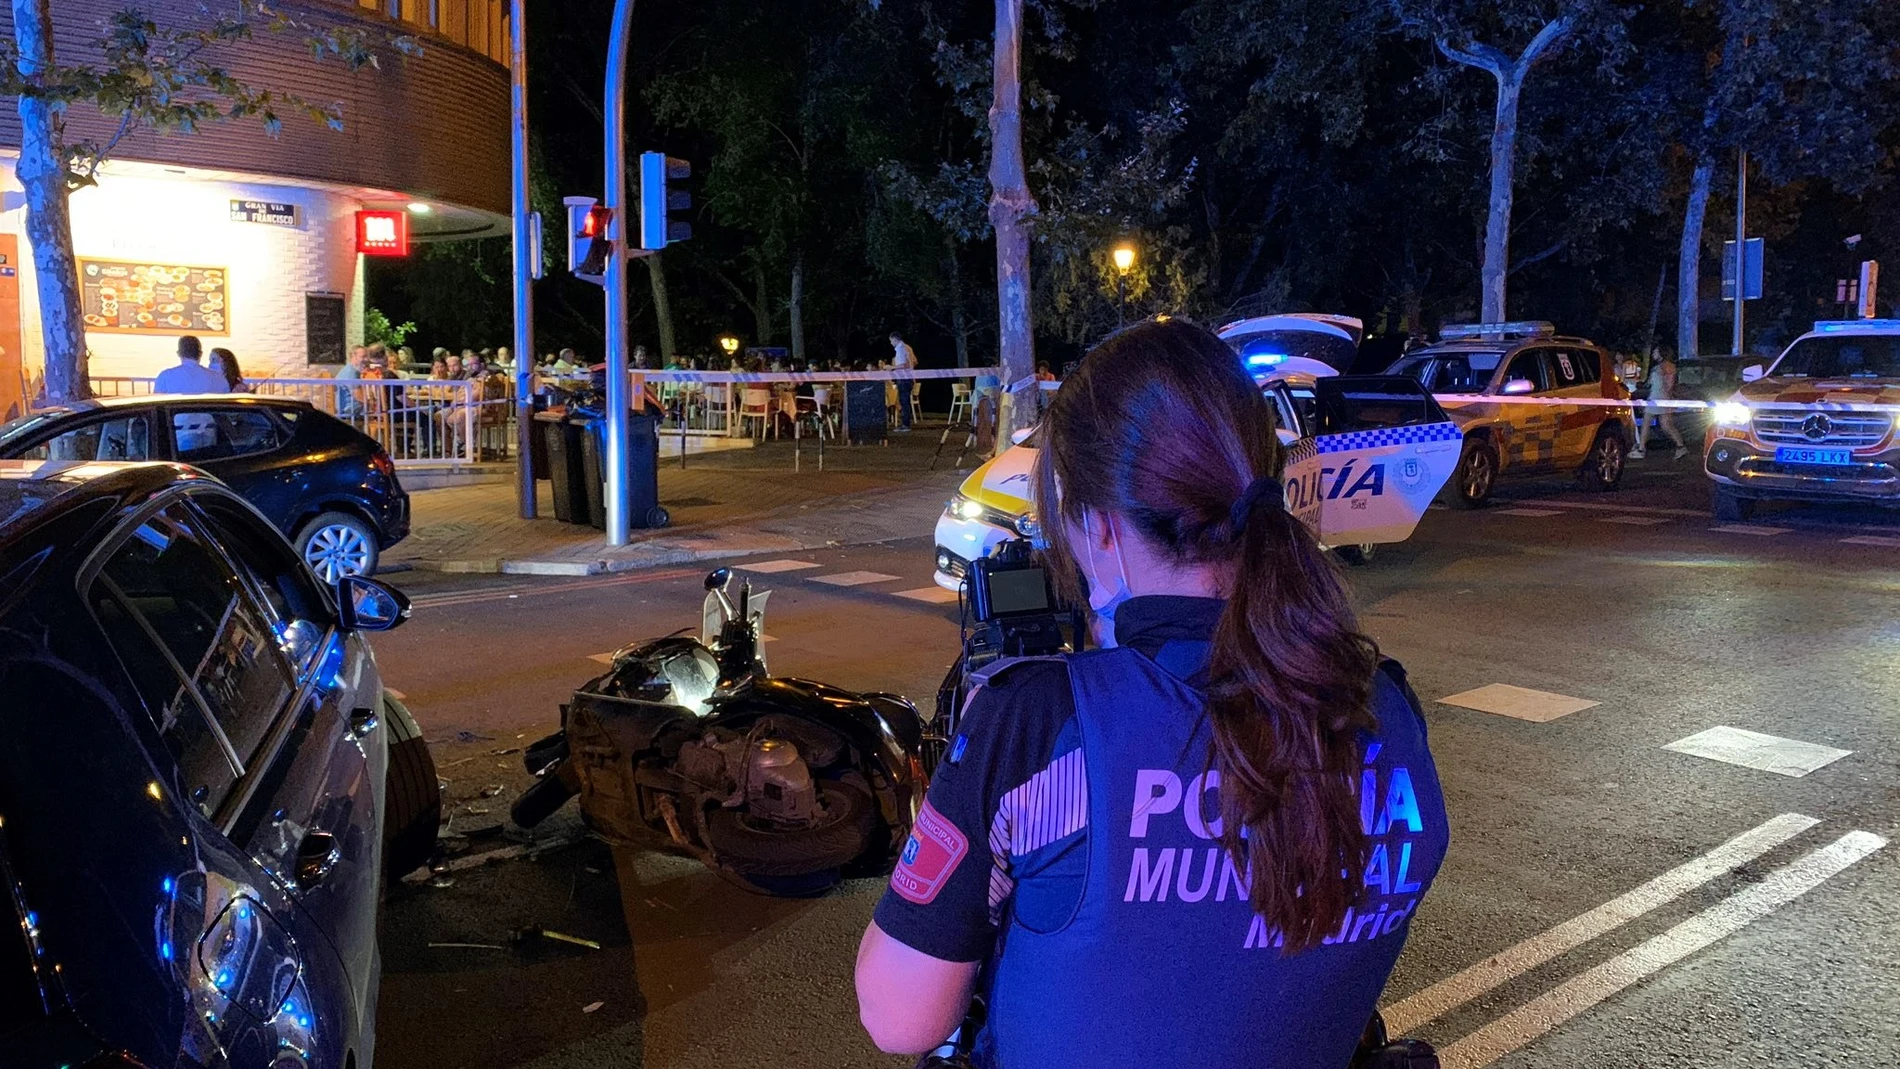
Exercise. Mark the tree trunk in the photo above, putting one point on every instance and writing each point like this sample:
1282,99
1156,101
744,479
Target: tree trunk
959,321
662,309
797,310
49,229
1689,267
761,304
1011,205
1497,226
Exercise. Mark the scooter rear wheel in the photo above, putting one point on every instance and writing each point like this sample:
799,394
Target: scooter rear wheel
752,848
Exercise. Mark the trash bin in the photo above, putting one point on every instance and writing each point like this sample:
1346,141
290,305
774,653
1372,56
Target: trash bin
643,472
538,444
562,439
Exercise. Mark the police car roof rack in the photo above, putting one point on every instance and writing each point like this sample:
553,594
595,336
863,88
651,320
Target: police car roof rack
1522,328
1835,326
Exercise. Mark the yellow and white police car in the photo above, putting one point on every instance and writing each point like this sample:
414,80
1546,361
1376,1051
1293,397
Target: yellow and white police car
1366,454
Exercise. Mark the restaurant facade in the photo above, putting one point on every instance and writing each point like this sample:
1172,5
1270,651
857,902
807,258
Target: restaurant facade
257,243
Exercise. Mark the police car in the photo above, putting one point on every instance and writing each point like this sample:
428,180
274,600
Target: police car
1825,445
1493,363
1365,454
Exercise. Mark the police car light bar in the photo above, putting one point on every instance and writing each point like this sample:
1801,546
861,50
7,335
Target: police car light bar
1523,328
1836,326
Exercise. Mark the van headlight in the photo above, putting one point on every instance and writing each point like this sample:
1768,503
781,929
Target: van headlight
1732,414
966,509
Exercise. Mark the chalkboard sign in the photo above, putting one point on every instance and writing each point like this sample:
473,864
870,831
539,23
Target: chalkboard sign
323,316
123,297
864,414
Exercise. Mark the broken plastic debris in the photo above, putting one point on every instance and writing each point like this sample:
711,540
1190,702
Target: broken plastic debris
491,790
470,946
592,1006
524,934
504,751
442,881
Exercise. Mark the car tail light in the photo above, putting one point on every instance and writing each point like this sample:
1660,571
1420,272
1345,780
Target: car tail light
383,465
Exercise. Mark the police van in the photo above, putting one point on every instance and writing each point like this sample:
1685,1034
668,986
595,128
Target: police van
1515,375
1365,454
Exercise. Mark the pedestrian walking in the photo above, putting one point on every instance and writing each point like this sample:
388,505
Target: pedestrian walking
190,375
903,361
1661,384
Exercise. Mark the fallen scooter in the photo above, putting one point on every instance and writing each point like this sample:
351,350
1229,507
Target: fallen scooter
690,744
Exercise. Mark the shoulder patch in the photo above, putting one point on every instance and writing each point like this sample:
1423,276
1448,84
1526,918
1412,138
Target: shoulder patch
935,849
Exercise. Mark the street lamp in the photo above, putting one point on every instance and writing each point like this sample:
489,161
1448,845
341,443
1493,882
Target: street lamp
729,343
1124,257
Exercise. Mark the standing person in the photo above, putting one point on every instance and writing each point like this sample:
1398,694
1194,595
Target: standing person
1661,387
903,360
224,361
1250,911
348,406
190,375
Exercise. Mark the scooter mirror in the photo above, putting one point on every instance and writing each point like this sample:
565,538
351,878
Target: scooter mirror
718,578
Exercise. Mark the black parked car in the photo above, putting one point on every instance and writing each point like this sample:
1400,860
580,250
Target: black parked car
199,780
329,487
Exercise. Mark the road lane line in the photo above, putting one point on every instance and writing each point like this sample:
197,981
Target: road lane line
773,567
1752,749
1454,991
1521,703
934,595
1647,510
853,578
1751,529
1871,540
1528,512
1579,993
1635,521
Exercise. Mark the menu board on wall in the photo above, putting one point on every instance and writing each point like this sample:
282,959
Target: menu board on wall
122,297
323,325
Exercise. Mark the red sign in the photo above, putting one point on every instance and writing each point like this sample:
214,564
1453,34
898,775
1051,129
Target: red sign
382,233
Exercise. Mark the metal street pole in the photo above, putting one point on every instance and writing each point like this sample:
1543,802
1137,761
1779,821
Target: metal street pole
524,260
1741,244
1121,299
615,201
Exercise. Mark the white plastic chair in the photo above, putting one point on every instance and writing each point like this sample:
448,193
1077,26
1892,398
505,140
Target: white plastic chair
959,402
755,403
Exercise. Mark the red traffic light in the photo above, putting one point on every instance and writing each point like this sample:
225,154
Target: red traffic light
594,223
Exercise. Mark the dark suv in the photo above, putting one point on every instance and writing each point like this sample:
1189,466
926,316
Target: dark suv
193,764
326,485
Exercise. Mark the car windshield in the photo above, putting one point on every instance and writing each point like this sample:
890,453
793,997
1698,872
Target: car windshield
1450,372
1843,356
26,424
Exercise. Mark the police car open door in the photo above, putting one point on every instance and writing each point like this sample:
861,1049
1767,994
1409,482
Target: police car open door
1375,451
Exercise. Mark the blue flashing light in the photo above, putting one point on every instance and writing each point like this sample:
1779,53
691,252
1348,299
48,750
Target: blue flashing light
169,885
223,980
244,911
32,919
165,951
1264,359
304,1022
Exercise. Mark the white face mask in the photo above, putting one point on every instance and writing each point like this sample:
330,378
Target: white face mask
1104,598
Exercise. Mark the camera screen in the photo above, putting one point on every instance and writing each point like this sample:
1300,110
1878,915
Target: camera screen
1018,590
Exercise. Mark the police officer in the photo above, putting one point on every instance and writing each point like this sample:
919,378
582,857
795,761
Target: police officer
1203,844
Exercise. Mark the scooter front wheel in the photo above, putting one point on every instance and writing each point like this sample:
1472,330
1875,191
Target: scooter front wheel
755,848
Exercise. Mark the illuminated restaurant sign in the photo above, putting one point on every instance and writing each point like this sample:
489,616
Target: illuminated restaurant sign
382,233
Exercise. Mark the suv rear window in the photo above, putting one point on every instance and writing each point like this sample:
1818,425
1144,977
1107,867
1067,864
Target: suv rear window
1843,356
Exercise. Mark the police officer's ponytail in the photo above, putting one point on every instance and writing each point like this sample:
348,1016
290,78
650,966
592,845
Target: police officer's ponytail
1161,425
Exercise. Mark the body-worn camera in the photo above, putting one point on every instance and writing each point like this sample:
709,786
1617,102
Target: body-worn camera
1010,611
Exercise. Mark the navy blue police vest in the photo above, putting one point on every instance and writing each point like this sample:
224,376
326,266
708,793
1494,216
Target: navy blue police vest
1164,963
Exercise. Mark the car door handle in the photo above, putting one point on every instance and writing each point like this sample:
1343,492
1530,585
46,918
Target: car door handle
317,856
363,720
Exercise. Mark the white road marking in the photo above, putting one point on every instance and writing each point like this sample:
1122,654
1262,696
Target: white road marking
1529,512
1751,529
1503,699
1636,521
934,595
1541,1015
853,578
773,567
1455,991
1872,540
1752,749
1649,510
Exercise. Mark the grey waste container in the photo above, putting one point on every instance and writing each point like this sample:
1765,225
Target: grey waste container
643,472
562,439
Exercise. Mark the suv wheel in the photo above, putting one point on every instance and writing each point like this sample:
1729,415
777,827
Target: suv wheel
1603,468
1477,474
337,544
1729,506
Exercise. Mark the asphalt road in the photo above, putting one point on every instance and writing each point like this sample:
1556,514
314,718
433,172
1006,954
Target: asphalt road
1781,948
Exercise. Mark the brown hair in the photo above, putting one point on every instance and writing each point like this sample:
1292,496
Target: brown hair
1162,428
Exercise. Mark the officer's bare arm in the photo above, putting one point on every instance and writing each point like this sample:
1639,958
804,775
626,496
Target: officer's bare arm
909,1001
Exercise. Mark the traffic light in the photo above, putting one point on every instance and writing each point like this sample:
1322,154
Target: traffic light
587,244
658,198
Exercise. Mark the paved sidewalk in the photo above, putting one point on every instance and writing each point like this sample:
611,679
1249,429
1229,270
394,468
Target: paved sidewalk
722,505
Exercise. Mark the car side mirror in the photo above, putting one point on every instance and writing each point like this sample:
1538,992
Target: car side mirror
718,578
364,604
1754,373
1519,386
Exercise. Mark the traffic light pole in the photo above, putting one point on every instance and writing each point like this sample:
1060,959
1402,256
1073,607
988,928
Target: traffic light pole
525,237
614,104
1741,245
